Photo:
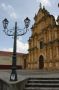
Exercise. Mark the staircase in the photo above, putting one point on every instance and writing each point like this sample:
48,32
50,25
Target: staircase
42,84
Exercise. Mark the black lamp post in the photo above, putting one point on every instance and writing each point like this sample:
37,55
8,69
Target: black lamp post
15,32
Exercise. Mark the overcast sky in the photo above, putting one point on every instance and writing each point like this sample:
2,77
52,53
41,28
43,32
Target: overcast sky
18,10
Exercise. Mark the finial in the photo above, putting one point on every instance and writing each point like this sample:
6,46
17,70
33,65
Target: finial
40,6
43,7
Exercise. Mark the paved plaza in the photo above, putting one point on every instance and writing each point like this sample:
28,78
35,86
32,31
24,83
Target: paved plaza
24,74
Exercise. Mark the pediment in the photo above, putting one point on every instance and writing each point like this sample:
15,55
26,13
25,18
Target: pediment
41,13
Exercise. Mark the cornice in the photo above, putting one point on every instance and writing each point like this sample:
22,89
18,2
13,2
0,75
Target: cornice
31,49
35,34
51,42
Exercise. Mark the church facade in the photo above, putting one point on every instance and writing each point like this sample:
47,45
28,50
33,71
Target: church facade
44,42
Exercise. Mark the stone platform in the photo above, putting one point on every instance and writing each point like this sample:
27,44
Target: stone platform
23,76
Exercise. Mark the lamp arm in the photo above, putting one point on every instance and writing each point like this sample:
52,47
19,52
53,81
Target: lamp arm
20,33
9,32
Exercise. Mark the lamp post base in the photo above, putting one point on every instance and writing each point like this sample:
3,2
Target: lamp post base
13,76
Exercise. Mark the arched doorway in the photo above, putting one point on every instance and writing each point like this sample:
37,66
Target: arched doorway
41,62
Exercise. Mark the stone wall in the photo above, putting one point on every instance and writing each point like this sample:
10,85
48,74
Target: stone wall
3,85
12,85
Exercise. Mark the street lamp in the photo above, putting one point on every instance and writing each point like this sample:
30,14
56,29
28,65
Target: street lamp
15,32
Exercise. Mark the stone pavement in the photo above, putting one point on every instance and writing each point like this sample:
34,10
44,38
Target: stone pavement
5,75
23,74
6,84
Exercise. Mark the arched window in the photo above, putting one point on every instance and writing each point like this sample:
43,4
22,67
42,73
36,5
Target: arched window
41,45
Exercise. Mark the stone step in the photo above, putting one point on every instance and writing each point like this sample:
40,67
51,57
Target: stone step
42,84
43,81
45,88
43,78
38,84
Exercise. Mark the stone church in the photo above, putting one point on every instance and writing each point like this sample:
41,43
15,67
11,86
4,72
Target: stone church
44,42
